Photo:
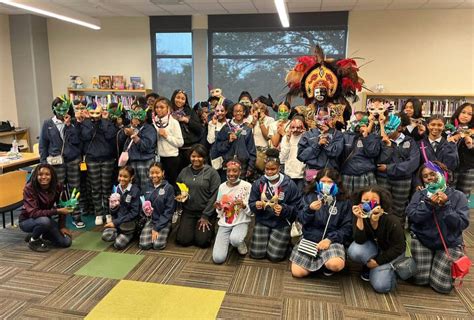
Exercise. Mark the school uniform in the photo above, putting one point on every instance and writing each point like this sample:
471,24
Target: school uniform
316,156
168,148
142,154
339,231
243,148
273,130
288,156
440,150
271,234
402,159
464,175
163,203
359,160
98,139
434,266
124,217
58,139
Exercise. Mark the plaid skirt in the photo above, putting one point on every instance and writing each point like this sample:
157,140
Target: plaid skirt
465,181
353,183
335,250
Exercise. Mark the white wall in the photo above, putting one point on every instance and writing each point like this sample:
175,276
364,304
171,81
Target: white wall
416,51
121,47
7,89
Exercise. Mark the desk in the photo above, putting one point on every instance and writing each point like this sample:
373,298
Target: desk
28,158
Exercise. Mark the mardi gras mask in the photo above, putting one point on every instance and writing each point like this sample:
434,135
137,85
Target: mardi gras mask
440,183
138,114
115,113
377,108
336,112
219,110
95,111
245,102
282,113
216,92
320,82
368,207
392,125
79,105
63,108
322,121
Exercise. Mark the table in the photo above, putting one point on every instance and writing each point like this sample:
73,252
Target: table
27,159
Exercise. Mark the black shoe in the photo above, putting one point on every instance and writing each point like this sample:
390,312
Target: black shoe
38,245
327,272
28,237
365,274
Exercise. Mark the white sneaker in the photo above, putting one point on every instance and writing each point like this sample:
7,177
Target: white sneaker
242,248
99,220
108,218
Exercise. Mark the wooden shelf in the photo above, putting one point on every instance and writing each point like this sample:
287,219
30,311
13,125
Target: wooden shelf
113,91
389,94
18,134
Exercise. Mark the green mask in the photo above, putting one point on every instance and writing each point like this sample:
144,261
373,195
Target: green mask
63,108
115,113
283,115
140,114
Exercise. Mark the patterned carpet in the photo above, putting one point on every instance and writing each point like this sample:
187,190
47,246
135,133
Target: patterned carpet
52,285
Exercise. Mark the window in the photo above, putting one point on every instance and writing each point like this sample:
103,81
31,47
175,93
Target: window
174,62
254,53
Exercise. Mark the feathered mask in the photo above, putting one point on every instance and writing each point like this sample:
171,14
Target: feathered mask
318,79
115,113
95,110
392,125
138,114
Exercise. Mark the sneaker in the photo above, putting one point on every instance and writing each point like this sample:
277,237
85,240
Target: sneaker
108,218
99,220
78,223
242,248
38,245
365,274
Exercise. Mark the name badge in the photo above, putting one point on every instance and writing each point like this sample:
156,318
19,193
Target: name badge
360,144
281,196
161,192
128,198
406,145
244,132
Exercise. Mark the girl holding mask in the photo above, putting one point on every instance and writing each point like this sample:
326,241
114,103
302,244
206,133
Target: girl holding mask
289,152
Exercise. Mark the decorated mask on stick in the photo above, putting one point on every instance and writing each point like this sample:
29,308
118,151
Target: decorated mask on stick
146,206
72,202
115,113
392,125
184,195
139,114
114,199
62,108
95,110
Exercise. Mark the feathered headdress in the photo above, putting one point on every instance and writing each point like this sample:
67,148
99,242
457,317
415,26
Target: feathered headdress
316,78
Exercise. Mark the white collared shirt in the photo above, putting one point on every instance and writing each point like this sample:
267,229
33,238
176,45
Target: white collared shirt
60,125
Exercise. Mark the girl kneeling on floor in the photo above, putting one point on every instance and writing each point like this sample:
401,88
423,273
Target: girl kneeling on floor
124,208
158,207
436,206
39,198
233,212
379,240
275,200
327,224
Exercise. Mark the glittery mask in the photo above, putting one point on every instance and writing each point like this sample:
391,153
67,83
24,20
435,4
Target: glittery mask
115,113
392,125
95,111
138,114
63,108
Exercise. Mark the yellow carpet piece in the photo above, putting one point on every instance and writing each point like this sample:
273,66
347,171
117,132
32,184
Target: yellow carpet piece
144,300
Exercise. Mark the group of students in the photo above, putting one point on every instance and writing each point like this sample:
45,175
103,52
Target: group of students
235,165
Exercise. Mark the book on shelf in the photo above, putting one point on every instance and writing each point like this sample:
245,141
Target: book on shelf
126,100
430,106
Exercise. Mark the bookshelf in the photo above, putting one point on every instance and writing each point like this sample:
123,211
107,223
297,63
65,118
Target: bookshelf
105,96
444,104
21,135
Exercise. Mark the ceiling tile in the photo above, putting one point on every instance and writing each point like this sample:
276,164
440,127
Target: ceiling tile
338,3
311,6
233,7
406,4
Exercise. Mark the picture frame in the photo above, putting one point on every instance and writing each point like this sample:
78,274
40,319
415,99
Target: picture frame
105,82
118,82
136,83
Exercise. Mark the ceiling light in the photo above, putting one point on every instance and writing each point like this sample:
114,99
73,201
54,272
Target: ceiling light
283,13
53,11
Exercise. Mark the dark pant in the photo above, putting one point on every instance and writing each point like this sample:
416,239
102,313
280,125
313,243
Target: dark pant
188,233
170,165
46,227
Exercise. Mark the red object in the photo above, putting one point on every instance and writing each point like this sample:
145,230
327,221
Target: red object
349,84
347,63
304,63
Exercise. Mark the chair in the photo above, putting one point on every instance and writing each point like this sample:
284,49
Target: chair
11,197
36,148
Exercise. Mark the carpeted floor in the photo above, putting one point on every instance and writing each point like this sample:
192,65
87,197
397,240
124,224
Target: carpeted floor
95,280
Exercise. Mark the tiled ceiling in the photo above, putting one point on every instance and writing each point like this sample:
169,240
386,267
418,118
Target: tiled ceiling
106,8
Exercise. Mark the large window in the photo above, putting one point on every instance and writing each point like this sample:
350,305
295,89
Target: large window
174,62
254,53
258,61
